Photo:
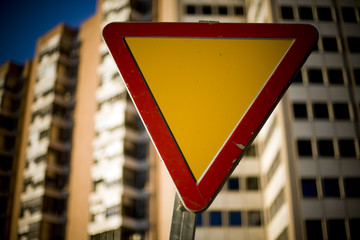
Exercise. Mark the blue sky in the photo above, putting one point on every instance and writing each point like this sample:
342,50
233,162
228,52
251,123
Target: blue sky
22,22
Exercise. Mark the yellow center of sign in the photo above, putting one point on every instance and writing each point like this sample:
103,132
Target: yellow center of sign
204,86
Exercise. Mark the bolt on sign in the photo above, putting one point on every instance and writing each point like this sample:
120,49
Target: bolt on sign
204,90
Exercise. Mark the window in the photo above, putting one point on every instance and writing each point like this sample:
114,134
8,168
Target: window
347,148
276,204
233,183
341,111
336,229
325,148
287,13
330,44
190,9
309,188
254,218
305,13
335,76
354,228
206,10
112,211
313,229
251,151
239,10
331,187
199,219
274,166
320,110
324,14
352,188
315,76
234,218
215,218
252,183
298,78
300,110
356,72
222,10
354,44
304,148
348,14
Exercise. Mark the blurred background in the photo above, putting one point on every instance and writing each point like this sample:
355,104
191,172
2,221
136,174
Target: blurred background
77,163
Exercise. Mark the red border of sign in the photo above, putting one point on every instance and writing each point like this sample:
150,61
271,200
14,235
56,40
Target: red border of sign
197,197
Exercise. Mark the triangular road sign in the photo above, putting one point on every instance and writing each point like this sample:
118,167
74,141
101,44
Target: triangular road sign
204,90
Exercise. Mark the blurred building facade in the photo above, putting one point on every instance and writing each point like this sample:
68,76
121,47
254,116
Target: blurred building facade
76,162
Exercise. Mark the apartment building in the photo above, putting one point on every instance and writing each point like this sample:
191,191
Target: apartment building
13,83
44,194
311,188
119,200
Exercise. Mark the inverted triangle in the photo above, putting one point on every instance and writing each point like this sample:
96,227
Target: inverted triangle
268,57
203,86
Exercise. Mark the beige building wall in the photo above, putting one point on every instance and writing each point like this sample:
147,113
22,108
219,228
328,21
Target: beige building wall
22,143
83,132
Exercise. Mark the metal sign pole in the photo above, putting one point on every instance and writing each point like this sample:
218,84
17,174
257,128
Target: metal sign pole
183,222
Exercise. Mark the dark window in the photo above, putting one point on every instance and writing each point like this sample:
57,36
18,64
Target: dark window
352,187
112,211
222,10
354,44
356,72
330,44
324,14
320,110
300,110
287,13
326,148
298,78
305,13
348,14
199,219
206,10
331,187
251,151
313,229
315,76
354,225
215,218
233,183
239,10
254,218
341,111
304,148
347,148
335,76
309,188
336,229
252,183
234,218
190,9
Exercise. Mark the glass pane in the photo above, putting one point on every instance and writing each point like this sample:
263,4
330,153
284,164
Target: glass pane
254,218
336,229
304,148
235,218
233,183
215,219
352,187
331,187
309,188
313,230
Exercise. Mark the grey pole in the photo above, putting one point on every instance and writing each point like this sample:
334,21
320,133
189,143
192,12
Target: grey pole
183,222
